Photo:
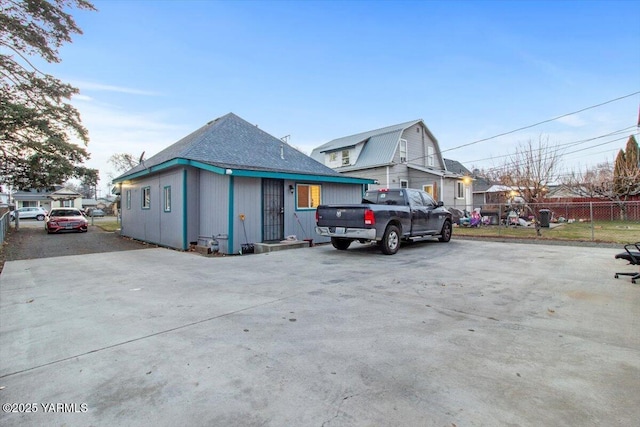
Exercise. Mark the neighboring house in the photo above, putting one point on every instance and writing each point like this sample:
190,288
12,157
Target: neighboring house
232,182
104,203
403,155
480,195
61,197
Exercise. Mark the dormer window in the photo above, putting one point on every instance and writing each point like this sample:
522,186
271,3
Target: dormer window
345,158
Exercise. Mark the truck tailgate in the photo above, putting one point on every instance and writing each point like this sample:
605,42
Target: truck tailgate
348,216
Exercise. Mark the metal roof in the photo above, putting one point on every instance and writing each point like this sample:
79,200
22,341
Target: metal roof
353,140
379,145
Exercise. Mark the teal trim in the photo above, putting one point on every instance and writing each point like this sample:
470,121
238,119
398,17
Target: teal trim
231,215
185,216
244,172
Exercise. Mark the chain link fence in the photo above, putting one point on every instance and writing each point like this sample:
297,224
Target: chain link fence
586,221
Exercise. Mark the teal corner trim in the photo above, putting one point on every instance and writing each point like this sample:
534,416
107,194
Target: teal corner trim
231,215
185,221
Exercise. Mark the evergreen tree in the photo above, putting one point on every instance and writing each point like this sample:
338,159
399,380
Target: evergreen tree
37,123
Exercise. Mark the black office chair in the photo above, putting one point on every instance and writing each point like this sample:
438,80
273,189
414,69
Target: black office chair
632,254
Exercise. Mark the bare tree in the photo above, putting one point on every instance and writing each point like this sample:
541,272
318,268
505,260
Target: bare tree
615,182
530,171
122,162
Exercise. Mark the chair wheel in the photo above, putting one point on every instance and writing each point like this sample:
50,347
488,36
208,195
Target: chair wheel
633,281
616,276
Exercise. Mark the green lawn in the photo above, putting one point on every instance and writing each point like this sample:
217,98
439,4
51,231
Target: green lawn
109,225
603,231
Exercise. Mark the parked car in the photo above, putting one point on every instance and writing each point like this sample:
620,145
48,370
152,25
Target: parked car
29,212
66,219
96,213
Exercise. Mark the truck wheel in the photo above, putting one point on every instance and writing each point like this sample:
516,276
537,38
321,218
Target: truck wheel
391,240
340,244
445,234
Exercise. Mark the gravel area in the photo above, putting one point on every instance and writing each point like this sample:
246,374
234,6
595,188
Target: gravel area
31,242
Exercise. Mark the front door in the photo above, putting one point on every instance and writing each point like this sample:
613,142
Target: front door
272,210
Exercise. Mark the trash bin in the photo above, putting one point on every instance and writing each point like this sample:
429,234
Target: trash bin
545,217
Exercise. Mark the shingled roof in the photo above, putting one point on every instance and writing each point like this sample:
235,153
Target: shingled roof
229,142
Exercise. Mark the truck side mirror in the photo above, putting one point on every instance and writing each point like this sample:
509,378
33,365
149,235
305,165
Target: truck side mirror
440,203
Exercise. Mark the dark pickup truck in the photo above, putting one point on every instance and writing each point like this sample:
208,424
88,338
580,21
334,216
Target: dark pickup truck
386,216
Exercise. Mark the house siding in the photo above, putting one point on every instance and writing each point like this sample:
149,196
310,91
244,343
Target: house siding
418,142
213,195
153,224
418,180
247,200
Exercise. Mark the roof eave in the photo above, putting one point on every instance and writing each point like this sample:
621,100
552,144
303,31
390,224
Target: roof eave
257,173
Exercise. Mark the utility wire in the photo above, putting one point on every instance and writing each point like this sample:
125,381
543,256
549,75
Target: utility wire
542,122
563,145
530,126
549,156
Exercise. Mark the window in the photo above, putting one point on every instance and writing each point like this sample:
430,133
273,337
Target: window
68,203
128,201
414,198
428,200
333,157
430,157
404,183
167,199
29,204
345,158
459,190
146,198
307,196
403,151
428,189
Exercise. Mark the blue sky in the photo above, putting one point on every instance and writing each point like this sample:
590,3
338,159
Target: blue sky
151,72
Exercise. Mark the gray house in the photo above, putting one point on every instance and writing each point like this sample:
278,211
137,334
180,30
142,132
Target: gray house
402,155
227,180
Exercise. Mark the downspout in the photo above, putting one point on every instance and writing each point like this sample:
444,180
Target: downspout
441,188
231,215
388,186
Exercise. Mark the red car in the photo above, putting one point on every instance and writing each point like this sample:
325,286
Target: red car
66,219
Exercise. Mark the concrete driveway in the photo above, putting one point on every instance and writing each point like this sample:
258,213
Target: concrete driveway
467,333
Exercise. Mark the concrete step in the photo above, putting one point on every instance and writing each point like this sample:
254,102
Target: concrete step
261,248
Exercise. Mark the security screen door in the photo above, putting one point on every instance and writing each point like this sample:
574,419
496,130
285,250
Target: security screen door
272,210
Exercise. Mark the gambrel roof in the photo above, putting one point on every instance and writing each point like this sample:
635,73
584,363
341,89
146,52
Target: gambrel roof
379,147
231,143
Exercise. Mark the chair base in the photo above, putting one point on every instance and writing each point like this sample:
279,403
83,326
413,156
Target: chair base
634,276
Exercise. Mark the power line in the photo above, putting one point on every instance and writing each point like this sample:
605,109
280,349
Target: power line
542,122
565,145
516,164
530,126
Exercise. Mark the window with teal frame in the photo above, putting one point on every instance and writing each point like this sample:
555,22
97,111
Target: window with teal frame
146,197
167,198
